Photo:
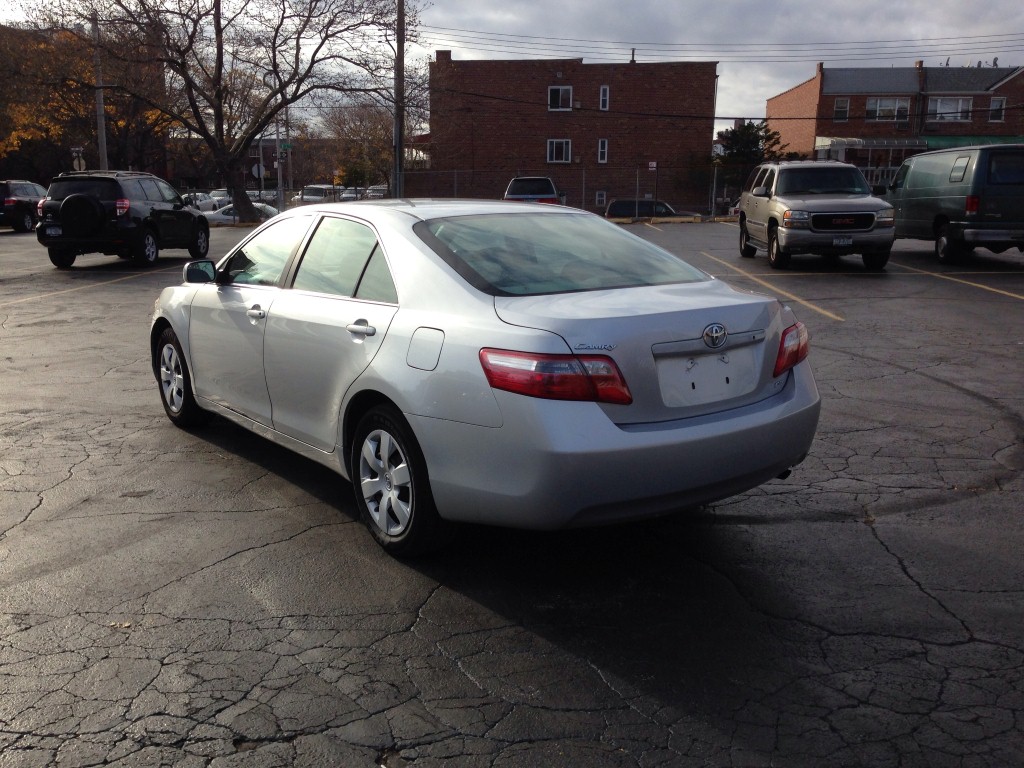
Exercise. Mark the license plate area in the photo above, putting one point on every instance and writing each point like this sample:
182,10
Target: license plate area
688,380
840,241
52,231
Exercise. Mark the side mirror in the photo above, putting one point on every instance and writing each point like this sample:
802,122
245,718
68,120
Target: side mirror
761,192
879,190
202,271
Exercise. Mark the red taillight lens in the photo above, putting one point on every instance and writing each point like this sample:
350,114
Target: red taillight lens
972,204
10,201
793,348
551,200
556,377
123,206
39,208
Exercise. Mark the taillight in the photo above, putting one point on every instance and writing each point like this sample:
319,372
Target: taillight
551,200
122,206
793,348
593,378
39,208
10,201
972,204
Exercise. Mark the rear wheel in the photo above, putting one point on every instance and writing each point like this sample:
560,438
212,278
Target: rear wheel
200,243
61,259
23,222
777,258
176,383
875,262
391,485
148,250
947,250
747,251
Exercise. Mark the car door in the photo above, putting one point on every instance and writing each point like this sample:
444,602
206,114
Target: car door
229,319
323,332
759,207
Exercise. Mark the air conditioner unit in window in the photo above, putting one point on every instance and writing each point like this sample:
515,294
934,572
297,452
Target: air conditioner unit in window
575,105
576,159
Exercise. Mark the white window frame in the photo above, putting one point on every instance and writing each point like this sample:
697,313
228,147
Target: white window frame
887,109
601,198
602,150
997,110
605,98
841,111
950,109
563,99
559,150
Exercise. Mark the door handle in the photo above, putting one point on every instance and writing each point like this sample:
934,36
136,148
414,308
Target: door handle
255,313
361,328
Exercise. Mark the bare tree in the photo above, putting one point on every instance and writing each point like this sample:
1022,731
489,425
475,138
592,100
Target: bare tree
226,68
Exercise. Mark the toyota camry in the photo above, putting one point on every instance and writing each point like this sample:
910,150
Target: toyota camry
490,362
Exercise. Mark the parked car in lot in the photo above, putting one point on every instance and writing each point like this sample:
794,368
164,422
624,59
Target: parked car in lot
532,189
962,198
226,216
21,202
642,208
318,193
125,213
510,364
826,208
201,201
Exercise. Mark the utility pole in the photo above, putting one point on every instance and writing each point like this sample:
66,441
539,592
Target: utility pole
397,181
101,123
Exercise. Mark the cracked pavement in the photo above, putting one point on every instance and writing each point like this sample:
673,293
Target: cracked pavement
207,599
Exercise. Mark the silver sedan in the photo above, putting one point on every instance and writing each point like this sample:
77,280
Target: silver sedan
502,363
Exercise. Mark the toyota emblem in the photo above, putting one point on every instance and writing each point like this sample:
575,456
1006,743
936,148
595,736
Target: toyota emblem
715,335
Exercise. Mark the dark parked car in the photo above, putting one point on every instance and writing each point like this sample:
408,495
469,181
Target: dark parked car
20,201
633,208
125,213
532,189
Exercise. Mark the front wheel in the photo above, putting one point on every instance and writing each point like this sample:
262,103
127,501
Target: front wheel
175,382
61,259
23,222
148,249
875,262
200,243
777,258
747,251
391,485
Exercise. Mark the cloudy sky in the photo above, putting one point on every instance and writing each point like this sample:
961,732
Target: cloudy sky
762,48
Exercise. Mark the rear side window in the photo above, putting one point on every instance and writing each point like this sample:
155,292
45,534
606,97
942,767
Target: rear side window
335,258
531,187
959,169
1006,168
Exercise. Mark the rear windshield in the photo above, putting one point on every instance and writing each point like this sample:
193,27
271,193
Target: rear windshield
104,189
822,181
540,186
531,254
1006,168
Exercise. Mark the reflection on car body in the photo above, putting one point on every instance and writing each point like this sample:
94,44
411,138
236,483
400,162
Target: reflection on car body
471,361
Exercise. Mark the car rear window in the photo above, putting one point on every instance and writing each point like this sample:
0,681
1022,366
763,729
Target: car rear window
1006,168
104,189
532,254
539,186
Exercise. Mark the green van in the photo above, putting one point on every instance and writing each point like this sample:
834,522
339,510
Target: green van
962,198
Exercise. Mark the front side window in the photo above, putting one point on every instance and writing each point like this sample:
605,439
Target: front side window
997,109
262,258
949,109
559,97
602,150
559,151
605,98
888,109
842,110
335,257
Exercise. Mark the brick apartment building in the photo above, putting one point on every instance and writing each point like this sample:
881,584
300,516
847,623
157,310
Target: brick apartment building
600,131
876,117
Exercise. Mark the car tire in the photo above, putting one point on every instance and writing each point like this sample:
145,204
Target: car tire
875,262
200,246
777,258
747,251
61,259
389,475
175,382
947,250
148,250
81,215
23,222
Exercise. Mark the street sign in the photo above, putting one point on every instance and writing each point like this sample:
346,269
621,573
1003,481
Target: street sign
258,170
78,163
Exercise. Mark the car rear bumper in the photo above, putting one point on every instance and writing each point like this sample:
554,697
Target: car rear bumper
556,465
113,240
1009,237
797,241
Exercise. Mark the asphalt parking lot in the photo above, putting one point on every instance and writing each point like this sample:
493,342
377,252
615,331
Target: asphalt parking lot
170,598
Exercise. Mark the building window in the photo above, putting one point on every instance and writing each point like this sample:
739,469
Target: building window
997,109
559,151
605,98
559,97
955,109
602,150
842,111
601,198
888,109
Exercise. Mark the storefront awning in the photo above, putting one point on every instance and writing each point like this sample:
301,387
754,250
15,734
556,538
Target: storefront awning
829,142
943,142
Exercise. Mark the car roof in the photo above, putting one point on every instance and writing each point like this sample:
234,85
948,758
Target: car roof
423,209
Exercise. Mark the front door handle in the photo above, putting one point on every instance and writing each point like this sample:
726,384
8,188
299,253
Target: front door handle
255,313
361,328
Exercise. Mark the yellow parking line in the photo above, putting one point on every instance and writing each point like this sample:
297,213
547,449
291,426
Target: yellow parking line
774,289
82,287
962,282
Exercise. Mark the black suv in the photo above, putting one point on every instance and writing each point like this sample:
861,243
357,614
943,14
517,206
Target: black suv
125,213
20,201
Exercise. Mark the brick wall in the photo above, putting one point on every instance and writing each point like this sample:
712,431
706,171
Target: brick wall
794,115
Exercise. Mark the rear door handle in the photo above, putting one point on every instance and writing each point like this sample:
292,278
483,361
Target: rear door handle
256,313
361,328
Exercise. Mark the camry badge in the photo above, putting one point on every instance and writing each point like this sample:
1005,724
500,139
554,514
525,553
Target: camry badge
715,335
